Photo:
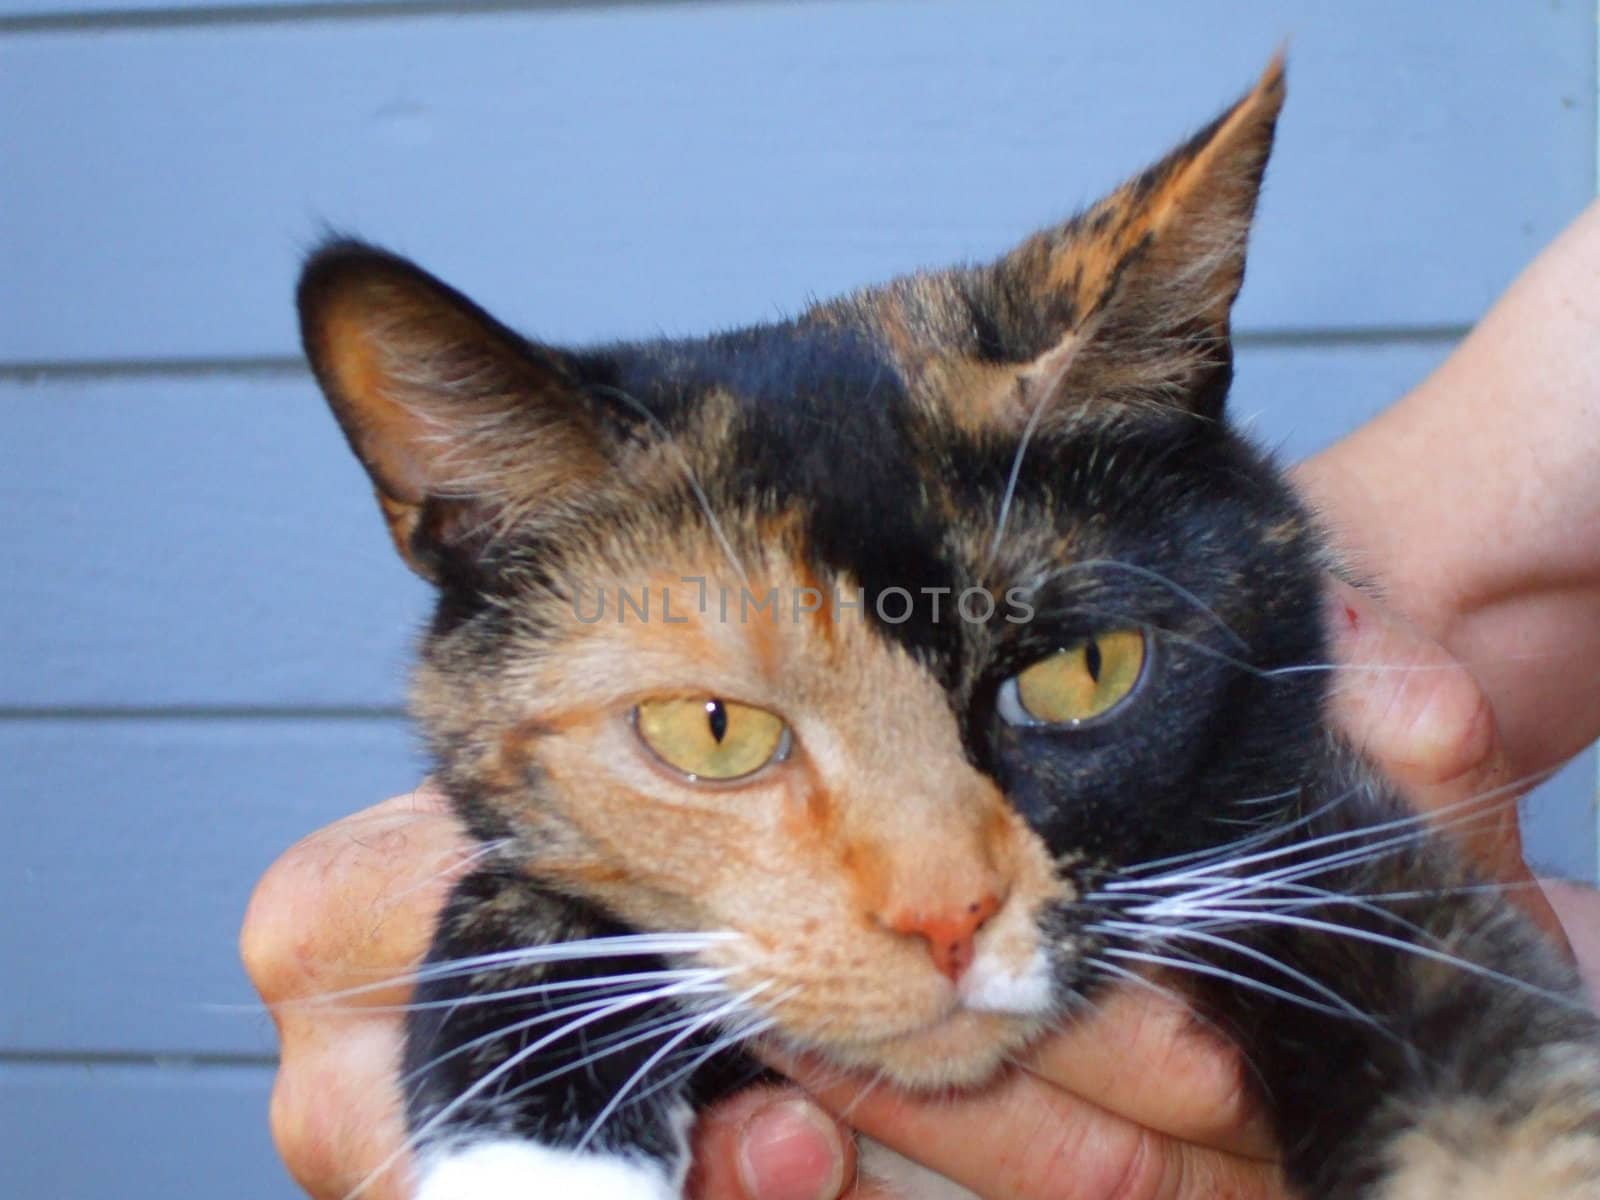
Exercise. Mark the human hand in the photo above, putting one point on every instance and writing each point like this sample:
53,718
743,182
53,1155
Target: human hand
1409,706
353,905
1143,1101
340,913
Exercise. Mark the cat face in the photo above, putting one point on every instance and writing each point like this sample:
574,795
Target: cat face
883,639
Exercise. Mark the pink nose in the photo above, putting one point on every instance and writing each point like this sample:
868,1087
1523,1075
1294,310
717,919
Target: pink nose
949,933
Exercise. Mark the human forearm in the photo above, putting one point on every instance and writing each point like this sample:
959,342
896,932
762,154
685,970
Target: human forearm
1475,502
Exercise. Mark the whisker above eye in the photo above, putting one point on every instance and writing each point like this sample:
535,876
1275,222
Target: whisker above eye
639,409
1177,589
1010,495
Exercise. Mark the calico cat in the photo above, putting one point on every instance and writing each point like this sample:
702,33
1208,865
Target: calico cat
893,682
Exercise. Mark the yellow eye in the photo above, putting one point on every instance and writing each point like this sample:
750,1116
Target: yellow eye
707,738
1076,684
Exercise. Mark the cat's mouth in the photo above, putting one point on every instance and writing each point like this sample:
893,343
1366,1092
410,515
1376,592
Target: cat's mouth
959,1041
913,1025
962,1048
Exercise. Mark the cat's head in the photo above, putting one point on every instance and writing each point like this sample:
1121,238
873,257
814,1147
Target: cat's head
886,637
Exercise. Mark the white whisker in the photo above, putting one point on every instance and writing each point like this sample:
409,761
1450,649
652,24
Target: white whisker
601,985
501,1070
1393,943
1418,825
1008,498
620,945
545,1017
688,472
1177,589
478,854
670,1024
744,1033
677,1039
1204,968
1162,934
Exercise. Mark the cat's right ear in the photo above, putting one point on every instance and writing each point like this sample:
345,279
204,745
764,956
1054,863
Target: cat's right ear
462,424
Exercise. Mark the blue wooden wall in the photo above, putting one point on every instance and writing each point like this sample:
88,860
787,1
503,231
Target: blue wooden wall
203,634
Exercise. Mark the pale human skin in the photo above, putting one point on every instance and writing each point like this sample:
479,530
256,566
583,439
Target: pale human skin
1475,500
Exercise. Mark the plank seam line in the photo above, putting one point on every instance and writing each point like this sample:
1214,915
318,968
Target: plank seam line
185,16
159,1060
44,371
382,713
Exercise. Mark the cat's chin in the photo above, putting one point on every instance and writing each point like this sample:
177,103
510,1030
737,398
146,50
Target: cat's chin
962,1049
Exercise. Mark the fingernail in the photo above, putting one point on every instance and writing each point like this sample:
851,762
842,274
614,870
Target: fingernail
790,1151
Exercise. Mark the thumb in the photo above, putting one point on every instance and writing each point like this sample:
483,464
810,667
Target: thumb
1405,702
770,1143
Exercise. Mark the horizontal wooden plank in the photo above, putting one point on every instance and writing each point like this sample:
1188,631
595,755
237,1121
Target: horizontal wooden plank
599,172
132,851
210,541
202,541
137,1133
125,882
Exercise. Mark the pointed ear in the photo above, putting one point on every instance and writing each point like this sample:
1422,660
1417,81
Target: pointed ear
1130,301
460,422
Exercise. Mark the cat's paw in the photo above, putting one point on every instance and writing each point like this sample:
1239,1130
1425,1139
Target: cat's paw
504,1169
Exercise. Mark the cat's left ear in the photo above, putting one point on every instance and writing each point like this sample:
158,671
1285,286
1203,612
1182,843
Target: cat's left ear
464,426
1129,302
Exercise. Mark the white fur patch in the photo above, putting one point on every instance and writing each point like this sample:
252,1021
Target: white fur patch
990,985
511,1170
901,1177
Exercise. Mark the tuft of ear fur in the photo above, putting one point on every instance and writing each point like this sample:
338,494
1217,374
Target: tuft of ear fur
1129,302
458,420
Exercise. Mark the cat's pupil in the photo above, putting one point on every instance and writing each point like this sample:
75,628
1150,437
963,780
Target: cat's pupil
1091,659
717,716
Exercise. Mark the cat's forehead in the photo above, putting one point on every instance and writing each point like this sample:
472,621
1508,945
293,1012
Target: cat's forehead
826,431
883,370
755,623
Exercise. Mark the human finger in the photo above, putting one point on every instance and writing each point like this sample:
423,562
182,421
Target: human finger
771,1143
329,940
1405,702
352,903
1147,1057
1023,1138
